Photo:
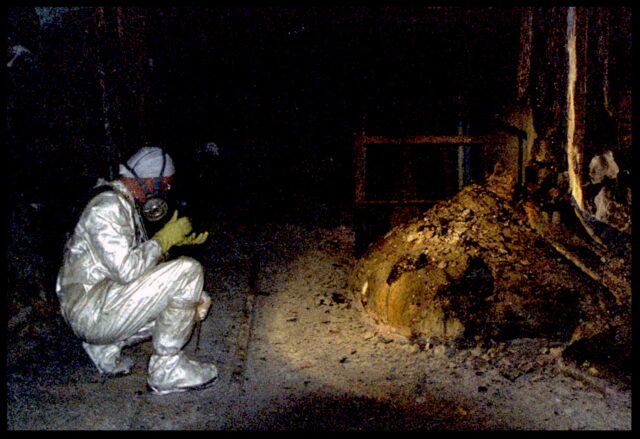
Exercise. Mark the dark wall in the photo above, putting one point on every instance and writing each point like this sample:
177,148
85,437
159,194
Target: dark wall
281,91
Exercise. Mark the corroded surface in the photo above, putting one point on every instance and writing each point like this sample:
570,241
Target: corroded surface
473,267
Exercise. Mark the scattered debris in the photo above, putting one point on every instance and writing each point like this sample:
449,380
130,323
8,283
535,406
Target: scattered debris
493,268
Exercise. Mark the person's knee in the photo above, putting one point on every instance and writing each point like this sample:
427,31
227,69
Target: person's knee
190,266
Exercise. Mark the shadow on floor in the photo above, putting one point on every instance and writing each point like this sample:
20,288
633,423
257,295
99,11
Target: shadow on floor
361,413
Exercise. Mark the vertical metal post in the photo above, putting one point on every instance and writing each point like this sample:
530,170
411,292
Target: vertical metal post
464,157
108,134
524,58
460,160
520,171
360,165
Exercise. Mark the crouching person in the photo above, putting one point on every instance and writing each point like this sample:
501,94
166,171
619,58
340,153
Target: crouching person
114,288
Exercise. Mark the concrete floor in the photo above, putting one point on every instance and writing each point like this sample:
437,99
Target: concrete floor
303,359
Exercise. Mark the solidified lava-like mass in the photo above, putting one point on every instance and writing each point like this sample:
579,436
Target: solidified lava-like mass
472,267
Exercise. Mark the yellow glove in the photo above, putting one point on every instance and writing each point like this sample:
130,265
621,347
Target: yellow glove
175,231
193,239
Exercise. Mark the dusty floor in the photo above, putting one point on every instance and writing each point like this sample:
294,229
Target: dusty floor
298,355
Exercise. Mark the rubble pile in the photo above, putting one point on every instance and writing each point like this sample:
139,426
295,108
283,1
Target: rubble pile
474,268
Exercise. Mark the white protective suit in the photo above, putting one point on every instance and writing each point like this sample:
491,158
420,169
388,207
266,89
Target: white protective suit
114,291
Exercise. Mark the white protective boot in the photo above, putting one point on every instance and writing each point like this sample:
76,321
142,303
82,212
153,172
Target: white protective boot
107,359
177,373
169,368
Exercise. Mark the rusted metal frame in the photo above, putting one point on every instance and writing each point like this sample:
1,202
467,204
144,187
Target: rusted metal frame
397,201
361,158
457,139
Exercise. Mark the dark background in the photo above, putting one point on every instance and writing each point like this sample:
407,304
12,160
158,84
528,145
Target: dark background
282,91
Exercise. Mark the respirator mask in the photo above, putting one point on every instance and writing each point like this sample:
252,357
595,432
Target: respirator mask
156,204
